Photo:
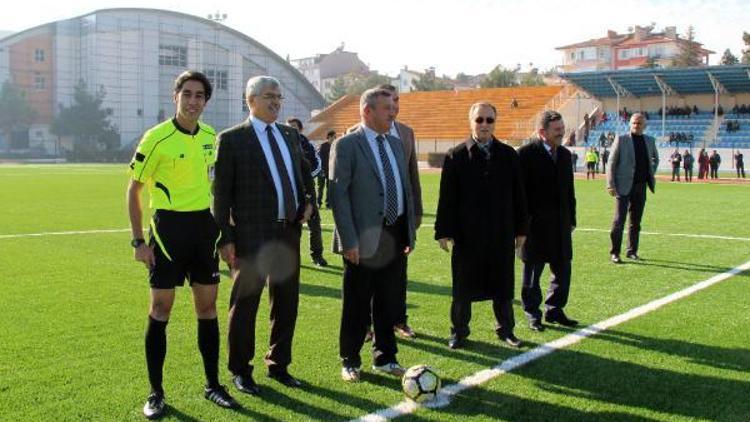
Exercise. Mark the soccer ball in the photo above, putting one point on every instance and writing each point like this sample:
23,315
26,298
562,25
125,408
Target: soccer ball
420,383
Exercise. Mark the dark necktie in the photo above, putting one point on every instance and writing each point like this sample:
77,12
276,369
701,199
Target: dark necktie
391,197
290,210
553,154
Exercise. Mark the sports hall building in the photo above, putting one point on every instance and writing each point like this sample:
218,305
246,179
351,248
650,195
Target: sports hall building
134,55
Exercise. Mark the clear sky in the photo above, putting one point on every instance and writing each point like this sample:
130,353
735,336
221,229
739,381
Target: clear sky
470,36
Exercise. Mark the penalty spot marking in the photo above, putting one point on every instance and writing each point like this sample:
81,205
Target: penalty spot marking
446,394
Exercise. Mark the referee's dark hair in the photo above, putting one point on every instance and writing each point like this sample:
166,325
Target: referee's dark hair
547,117
193,75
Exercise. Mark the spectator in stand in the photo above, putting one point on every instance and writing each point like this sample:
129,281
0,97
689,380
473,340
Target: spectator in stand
514,104
605,159
739,164
602,140
695,109
574,159
714,161
572,138
687,164
702,164
596,167
676,161
586,127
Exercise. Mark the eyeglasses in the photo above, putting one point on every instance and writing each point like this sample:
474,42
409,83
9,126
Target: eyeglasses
272,97
480,120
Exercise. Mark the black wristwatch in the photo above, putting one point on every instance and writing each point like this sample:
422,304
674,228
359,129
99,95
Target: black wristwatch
137,242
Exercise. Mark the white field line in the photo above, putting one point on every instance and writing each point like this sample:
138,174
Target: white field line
15,236
446,394
424,226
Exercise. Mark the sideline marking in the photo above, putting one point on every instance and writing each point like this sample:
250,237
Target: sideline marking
14,236
446,394
424,226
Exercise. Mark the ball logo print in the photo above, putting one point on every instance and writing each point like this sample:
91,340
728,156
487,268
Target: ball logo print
420,383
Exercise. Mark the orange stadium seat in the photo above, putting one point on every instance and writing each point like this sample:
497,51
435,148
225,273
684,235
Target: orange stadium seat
443,115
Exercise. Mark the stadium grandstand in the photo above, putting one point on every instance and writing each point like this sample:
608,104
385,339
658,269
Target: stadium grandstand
133,55
440,118
701,106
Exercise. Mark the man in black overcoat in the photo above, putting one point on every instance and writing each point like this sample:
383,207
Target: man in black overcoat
551,203
482,214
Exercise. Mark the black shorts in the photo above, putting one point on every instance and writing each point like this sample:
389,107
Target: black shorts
591,165
184,246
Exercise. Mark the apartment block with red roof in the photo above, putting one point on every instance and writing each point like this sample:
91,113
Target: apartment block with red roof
627,51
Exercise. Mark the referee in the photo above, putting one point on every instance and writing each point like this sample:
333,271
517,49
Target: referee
175,160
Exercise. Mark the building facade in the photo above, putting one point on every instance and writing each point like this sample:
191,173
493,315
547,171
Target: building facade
133,56
627,51
322,70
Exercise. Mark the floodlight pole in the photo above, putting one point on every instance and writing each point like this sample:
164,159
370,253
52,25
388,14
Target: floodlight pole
619,91
665,90
718,88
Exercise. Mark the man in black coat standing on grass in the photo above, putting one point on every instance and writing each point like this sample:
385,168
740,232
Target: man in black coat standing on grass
482,214
551,203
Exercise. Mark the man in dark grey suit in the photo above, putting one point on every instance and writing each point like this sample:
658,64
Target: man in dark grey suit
632,166
374,215
262,196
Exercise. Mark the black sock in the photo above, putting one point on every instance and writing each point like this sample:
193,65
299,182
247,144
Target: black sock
156,350
208,343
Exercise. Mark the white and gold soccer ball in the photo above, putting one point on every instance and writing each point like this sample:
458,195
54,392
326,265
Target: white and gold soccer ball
420,383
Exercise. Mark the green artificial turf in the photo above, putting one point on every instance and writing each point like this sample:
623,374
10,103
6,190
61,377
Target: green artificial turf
74,306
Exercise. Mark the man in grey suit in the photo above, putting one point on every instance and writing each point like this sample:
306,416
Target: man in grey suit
632,166
375,226
405,134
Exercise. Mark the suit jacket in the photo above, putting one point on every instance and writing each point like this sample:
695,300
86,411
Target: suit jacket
356,193
243,188
410,153
621,167
551,203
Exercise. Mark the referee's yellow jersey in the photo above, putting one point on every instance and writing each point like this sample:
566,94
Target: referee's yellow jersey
176,165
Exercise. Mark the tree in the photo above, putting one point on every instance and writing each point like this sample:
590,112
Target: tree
361,83
746,51
532,78
86,122
428,82
650,63
16,114
499,77
689,54
338,89
355,84
728,58
462,78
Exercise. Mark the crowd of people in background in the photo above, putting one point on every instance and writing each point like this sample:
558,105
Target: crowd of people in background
733,126
680,137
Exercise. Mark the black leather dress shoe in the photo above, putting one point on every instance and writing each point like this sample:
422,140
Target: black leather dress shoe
536,325
560,318
456,342
633,256
246,384
616,259
511,340
285,378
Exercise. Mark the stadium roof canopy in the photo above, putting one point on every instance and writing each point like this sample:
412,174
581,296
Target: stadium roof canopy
653,82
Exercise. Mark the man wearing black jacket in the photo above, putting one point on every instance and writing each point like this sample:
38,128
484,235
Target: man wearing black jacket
313,224
551,204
